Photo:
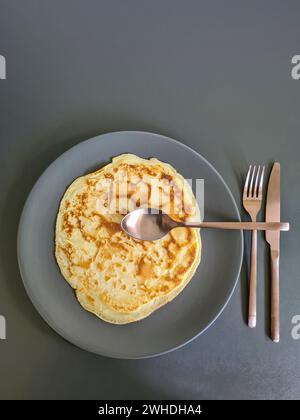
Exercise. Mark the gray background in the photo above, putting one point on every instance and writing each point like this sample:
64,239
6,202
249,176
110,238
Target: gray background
212,74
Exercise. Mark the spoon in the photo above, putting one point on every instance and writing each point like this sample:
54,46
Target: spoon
152,224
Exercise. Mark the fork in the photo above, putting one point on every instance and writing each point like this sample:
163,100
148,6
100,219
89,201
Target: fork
252,198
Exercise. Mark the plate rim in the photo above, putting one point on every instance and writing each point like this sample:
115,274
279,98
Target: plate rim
39,307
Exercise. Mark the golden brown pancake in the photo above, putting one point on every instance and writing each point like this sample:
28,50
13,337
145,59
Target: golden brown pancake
116,277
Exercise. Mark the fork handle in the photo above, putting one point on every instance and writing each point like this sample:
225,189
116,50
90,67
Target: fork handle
252,283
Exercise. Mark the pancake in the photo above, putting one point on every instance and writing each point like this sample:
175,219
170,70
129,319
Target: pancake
118,278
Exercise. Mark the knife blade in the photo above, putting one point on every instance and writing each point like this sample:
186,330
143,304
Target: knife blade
273,238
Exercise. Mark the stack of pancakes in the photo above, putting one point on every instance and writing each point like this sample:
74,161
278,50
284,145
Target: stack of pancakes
116,277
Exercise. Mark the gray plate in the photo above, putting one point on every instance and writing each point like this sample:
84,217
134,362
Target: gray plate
177,323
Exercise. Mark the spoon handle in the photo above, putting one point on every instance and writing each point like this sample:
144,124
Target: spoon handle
241,225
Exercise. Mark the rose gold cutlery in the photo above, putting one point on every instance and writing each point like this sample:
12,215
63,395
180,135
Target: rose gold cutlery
152,224
273,238
252,198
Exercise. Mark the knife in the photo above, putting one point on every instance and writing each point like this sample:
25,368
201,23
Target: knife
273,238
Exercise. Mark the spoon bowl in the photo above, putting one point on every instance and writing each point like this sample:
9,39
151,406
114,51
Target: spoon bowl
147,224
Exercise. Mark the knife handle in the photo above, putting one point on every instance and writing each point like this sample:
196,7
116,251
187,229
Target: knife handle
275,334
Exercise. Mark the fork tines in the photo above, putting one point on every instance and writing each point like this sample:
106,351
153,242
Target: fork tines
254,182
